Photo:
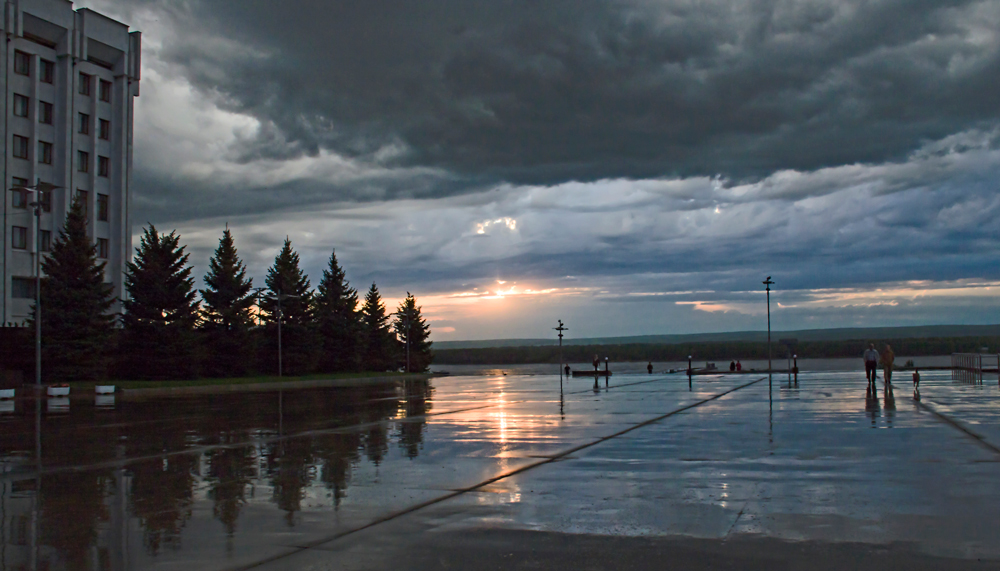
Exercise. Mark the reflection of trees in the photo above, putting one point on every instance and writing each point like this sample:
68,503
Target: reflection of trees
72,505
380,403
337,453
229,472
290,468
160,489
411,430
161,498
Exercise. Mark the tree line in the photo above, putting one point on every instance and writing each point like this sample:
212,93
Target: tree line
726,350
168,331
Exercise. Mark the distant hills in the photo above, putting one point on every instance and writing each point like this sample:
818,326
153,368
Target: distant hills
840,334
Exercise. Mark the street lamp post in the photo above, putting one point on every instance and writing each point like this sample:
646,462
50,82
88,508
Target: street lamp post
560,329
256,293
37,189
406,325
768,283
279,298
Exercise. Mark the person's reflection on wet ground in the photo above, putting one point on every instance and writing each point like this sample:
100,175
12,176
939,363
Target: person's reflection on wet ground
872,406
889,405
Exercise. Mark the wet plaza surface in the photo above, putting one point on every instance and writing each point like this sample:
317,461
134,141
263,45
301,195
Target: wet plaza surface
435,474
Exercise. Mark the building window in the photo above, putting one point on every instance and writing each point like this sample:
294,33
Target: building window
105,129
20,147
48,71
45,241
103,166
22,288
19,199
84,124
45,152
84,84
45,112
22,63
19,238
83,161
102,207
21,105
105,90
102,248
82,196
46,199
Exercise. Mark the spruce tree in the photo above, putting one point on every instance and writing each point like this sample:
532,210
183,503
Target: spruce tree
226,318
379,350
338,320
161,312
300,342
410,325
76,324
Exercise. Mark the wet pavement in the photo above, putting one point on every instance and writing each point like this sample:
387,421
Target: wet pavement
364,477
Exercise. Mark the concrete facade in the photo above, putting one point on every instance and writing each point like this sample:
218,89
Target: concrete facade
70,77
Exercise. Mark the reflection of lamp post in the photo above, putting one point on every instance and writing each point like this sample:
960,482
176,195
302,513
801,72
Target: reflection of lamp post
38,189
279,298
690,372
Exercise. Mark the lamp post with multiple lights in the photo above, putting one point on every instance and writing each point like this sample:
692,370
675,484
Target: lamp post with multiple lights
36,205
279,298
406,325
767,284
560,329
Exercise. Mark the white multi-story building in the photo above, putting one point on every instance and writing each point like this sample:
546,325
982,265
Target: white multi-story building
70,77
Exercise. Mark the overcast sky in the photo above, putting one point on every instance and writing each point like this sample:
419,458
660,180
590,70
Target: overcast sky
630,167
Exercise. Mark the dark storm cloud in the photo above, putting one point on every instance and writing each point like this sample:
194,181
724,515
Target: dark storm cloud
547,91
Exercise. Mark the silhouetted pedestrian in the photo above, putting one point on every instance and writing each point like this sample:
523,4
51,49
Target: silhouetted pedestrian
888,358
567,370
732,366
649,368
871,364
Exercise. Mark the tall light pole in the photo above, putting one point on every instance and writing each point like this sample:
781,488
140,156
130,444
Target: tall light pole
560,329
768,283
406,325
279,298
256,293
37,189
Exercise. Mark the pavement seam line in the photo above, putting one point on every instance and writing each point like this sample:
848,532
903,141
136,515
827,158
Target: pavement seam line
932,408
305,546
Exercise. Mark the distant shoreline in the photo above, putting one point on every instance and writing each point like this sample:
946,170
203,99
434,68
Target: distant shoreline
833,334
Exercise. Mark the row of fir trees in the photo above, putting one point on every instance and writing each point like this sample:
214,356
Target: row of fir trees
168,331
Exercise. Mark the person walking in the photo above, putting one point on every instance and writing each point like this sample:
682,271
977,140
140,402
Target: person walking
887,359
649,368
732,366
871,365
739,366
